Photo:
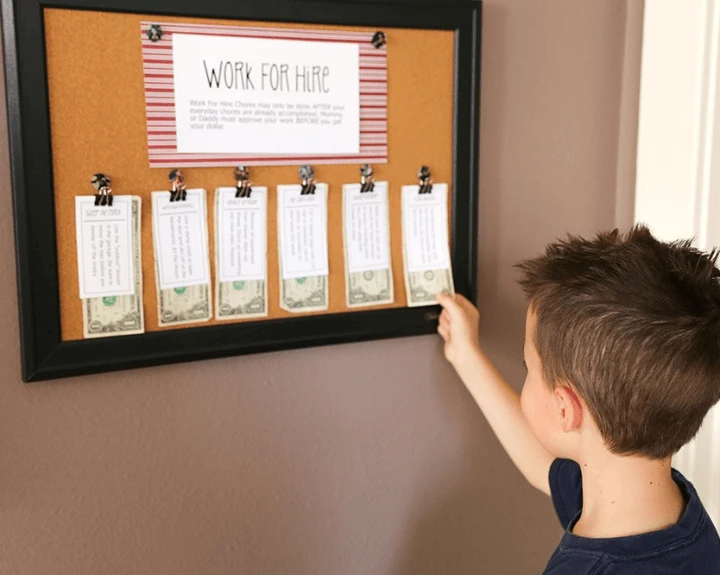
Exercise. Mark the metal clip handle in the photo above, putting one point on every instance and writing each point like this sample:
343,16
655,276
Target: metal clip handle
367,179
101,183
307,175
177,186
425,178
243,185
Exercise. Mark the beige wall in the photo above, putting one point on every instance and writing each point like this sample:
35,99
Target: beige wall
357,459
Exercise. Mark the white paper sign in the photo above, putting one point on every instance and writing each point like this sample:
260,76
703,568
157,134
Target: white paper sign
367,228
425,228
180,238
242,235
266,96
104,247
302,225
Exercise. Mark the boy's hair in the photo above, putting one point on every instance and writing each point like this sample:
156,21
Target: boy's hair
633,324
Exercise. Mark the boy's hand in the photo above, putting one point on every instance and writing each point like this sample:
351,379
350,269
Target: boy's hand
459,326
459,323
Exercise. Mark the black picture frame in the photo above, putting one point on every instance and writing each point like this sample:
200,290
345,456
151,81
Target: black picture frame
45,356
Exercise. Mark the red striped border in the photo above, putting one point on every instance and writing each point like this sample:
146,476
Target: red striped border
160,97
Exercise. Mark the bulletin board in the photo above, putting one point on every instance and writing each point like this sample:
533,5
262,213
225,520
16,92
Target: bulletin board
87,115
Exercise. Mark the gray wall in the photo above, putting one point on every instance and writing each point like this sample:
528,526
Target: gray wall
358,459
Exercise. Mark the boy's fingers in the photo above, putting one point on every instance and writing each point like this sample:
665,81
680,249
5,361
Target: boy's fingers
445,321
461,299
449,304
463,302
442,298
443,332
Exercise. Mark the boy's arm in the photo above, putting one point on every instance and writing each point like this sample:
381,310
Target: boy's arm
498,401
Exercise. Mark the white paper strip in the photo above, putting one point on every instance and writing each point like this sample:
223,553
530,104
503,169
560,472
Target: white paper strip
104,247
302,225
181,240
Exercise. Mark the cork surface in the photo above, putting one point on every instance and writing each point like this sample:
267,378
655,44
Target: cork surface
97,109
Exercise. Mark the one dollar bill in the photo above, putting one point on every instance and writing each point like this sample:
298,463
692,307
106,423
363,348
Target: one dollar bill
302,235
424,287
240,238
241,299
369,288
300,295
184,226
182,305
426,249
366,239
119,315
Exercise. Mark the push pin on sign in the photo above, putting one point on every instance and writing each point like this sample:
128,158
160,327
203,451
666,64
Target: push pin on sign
177,189
243,183
101,183
379,39
154,33
307,175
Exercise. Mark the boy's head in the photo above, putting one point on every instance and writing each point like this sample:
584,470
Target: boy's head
624,329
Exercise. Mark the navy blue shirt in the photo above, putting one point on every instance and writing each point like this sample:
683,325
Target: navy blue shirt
691,547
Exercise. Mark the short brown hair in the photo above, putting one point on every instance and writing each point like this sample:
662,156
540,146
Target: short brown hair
633,324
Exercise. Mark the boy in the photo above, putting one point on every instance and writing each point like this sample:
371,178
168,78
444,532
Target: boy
622,350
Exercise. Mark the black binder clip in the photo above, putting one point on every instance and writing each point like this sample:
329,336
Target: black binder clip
101,183
425,180
379,39
243,184
177,190
367,180
307,175
154,33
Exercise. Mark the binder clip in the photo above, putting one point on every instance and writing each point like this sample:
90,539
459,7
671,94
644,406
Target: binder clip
424,176
307,175
177,190
379,39
154,33
243,184
101,183
367,183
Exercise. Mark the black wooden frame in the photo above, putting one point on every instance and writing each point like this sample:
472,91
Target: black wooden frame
45,356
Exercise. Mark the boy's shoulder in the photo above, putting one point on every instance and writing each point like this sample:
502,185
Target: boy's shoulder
692,546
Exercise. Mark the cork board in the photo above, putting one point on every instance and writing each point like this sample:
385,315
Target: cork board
97,113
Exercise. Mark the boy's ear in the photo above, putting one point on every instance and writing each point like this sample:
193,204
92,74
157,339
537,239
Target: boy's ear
569,408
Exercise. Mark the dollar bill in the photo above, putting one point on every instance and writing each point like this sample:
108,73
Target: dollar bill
182,305
424,287
304,294
426,252
119,315
241,299
369,288
366,235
